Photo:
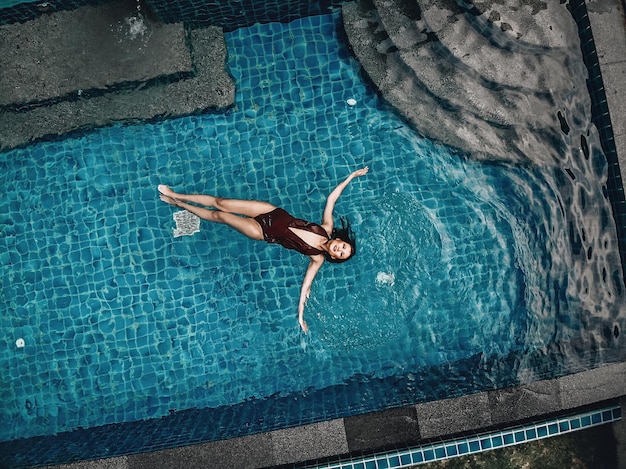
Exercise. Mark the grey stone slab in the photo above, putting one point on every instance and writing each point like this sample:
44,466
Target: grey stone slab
524,402
109,463
211,88
620,143
614,78
84,49
382,429
308,442
247,452
607,24
361,23
441,65
588,387
457,415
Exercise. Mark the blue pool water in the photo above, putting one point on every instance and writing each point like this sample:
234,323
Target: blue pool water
470,275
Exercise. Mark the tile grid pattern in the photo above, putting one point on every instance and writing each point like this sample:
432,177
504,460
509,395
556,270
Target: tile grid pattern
480,443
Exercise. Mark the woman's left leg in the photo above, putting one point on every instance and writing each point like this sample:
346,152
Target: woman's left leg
246,226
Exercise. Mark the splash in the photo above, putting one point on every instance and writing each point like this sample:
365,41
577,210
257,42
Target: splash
383,278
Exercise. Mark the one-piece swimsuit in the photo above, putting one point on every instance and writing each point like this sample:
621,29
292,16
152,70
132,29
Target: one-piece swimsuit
276,224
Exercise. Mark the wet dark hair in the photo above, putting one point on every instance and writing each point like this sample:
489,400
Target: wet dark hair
345,234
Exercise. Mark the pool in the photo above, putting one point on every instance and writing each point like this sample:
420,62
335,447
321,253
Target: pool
470,276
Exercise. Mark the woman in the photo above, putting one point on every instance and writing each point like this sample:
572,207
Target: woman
263,221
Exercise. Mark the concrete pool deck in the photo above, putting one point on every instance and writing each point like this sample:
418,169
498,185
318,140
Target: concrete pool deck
414,425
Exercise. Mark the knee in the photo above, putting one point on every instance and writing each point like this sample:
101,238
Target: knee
216,215
219,203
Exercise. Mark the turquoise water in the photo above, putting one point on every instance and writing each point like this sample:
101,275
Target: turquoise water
458,261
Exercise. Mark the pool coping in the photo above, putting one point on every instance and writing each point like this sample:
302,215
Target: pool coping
395,429
481,442
437,420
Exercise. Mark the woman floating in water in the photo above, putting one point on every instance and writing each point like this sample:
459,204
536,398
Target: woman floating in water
263,221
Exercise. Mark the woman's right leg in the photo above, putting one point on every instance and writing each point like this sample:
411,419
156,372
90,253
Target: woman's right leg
249,208
246,226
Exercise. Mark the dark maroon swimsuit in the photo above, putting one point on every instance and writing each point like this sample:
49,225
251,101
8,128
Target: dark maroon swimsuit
276,224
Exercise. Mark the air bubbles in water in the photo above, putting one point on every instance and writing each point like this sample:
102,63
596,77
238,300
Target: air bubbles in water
136,26
133,27
383,278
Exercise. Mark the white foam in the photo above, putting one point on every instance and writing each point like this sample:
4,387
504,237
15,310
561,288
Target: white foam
186,223
383,278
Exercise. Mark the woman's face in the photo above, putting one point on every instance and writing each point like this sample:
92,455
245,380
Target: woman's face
339,249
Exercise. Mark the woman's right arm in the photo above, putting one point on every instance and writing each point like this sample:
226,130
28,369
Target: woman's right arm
305,290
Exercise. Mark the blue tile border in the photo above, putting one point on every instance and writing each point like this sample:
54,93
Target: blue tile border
480,442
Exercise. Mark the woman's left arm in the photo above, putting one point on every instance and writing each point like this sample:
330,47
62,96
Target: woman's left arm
311,272
327,218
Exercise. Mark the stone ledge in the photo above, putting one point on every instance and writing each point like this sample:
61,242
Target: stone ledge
381,429
462,414
86,51
211,88
314,441
588,387
441,75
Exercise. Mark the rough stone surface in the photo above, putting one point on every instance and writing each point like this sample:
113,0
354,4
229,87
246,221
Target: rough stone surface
239,453
597,385
607,20
524,402
308,442
380,429
489,81
51,56
394,427
110,463
211,88
462,414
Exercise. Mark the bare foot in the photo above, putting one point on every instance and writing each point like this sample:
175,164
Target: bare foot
169,200
165,190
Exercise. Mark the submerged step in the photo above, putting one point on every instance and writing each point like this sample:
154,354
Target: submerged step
88,50
211,88
462,80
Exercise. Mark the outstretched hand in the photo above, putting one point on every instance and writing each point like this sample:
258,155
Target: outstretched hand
361,172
